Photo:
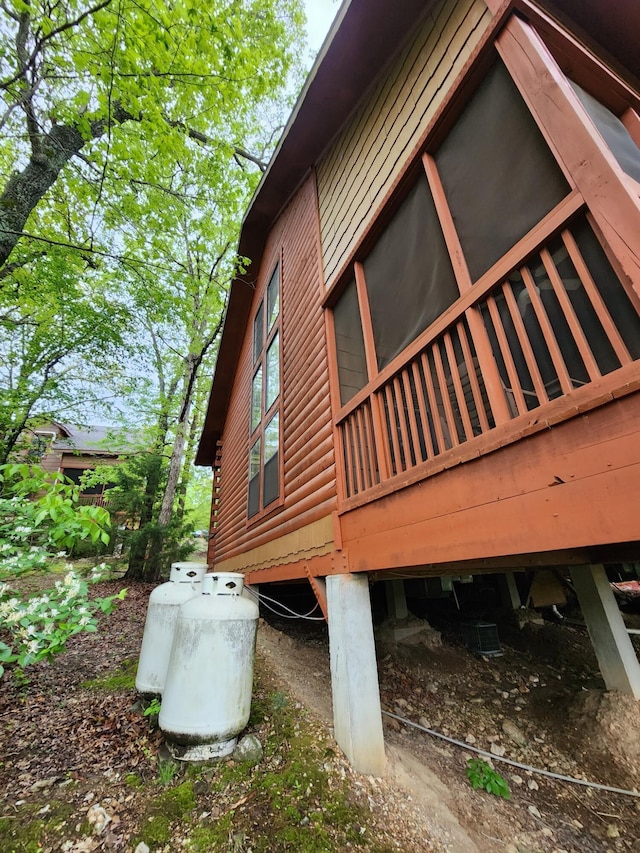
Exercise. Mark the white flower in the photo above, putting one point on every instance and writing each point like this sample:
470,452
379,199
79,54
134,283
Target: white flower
84,620
33,647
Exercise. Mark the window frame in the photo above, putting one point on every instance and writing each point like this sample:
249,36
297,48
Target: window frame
265,331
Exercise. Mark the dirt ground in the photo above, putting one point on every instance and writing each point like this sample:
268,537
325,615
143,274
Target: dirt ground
70,749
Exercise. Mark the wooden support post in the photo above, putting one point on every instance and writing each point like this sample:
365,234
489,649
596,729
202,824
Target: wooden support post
616,656
396,599
357,717
509,591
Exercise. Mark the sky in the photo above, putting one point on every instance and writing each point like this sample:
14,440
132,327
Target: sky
320,14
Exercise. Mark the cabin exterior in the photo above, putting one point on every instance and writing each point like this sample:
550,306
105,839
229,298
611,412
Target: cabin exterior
72,451
432,365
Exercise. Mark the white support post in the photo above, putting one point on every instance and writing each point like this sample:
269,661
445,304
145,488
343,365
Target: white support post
616,656
396,599
509,590
357,716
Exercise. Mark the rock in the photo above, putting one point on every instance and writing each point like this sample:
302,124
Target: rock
532,785
514,733
498,750
517,780
141,848
534,811
612,831
249,750
44,783
98,817
470,738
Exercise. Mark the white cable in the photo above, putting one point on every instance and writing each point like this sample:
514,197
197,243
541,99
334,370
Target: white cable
518,764
264,598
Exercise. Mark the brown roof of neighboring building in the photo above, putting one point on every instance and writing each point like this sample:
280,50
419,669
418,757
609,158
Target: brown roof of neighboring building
364,37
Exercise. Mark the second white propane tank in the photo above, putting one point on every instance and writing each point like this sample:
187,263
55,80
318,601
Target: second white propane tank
207,696
185,581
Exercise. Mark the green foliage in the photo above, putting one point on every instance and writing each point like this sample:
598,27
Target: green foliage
167,771
152,709
482,775
39,515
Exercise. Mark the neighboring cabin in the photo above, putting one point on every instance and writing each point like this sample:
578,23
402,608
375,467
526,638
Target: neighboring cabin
431,367
72,451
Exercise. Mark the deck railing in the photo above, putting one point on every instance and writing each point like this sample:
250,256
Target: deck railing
93,500
559,321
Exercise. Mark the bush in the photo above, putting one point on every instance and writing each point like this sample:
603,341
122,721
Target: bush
39,520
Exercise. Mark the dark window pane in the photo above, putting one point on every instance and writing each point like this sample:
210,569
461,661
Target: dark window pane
409,276
271,480
258,331
614,133
499,175
254,496
254,479
273,298
352,365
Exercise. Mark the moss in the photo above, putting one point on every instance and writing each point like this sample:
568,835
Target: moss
167,808
124,678
30,832
132,780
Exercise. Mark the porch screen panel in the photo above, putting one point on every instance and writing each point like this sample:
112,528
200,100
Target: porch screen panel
352,364
498,173
409,277
614,133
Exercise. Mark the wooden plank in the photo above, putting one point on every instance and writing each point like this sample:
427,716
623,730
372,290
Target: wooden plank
471,373
457,384
422,408
444,394
413,423
433,403
547,331
570,315
591,289
525,343
392,425
507,357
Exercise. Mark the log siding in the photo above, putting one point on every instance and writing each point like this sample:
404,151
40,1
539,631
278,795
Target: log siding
308,468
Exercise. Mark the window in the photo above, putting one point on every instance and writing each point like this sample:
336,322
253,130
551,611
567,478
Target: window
409,277
499,184
264,445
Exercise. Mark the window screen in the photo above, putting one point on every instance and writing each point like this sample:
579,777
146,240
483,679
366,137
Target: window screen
352,365
614,133
499,175
409,277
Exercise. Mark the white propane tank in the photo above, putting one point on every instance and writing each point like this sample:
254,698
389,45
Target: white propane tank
185,581
207,697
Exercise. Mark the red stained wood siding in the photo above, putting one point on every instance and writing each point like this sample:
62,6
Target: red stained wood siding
308,468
